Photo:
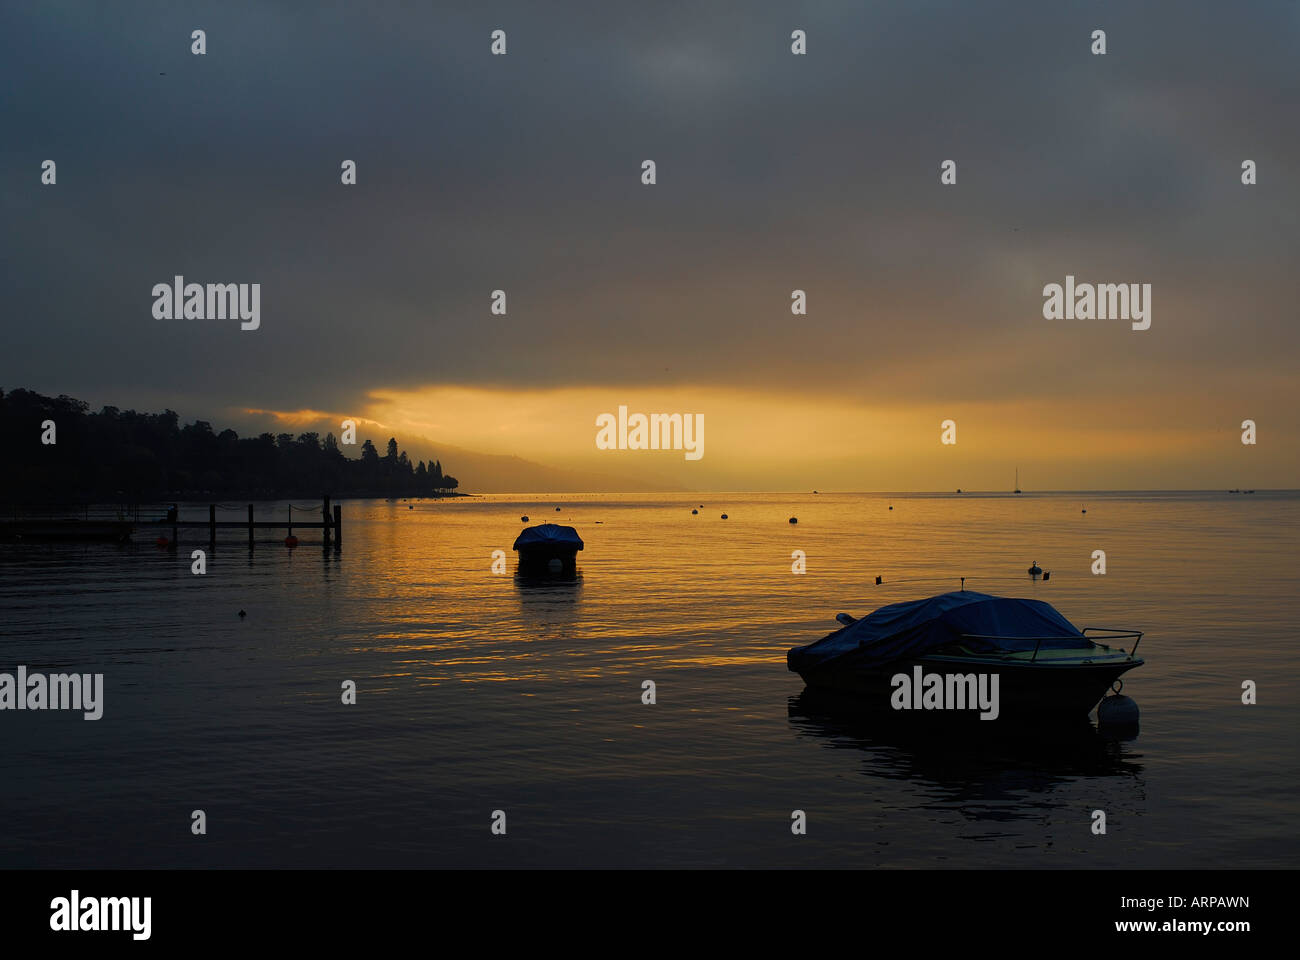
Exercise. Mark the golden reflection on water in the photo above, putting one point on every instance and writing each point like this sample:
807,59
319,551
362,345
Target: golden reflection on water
659,589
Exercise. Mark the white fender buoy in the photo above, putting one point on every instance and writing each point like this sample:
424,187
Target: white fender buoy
1117,710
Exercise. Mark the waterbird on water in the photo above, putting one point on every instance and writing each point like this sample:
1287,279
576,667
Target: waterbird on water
1035,570
242,614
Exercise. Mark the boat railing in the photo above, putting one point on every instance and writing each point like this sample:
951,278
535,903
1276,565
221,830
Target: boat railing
1108,633
1115,633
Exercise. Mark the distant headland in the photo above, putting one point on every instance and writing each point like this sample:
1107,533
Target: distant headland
123,456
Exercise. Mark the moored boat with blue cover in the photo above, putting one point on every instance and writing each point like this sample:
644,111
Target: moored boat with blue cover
538,546
1045,664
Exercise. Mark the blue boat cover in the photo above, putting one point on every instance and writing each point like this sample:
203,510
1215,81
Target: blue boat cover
916,627
549,534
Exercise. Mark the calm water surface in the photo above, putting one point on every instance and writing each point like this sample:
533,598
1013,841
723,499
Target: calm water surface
479,692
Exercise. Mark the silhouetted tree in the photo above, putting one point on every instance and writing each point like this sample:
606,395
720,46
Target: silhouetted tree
124,455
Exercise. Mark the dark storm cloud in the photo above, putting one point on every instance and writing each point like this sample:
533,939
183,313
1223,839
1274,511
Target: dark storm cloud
522,172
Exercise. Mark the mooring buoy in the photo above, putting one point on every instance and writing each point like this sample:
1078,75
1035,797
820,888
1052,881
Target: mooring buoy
1117,709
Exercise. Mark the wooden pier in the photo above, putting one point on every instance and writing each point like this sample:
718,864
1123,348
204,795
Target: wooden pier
330,523
58,524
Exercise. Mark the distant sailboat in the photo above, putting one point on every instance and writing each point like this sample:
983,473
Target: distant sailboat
1017,479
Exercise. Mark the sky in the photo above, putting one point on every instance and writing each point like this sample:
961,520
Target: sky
775,173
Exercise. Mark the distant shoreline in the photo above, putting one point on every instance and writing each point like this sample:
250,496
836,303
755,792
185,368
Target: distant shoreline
240,499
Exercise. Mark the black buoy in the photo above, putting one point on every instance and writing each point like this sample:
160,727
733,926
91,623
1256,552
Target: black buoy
242,614
1035,570
1047,575
695,511
1085,509
794,519
724,516
557,509
878,581
891,507
524,518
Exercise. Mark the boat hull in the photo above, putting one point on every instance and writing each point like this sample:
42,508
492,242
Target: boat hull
539,556
1025,688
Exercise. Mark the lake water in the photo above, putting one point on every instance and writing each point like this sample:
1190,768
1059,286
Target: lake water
479,692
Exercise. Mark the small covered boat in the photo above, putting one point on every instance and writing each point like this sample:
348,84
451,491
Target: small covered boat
538,546
1043,663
